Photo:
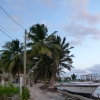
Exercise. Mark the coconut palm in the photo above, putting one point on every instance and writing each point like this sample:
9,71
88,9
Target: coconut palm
12,57
61,58
40,42
65,60
73,76
43,70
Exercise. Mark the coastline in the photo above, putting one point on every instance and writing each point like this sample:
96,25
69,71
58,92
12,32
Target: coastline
42,94
37,94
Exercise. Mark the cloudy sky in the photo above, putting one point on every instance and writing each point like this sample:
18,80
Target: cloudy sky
77,20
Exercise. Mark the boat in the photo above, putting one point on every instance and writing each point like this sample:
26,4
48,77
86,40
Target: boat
79,87
96,93
85,88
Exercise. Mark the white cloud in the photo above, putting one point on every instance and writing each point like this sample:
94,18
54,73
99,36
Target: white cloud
80,32
81,23
95,69
85,16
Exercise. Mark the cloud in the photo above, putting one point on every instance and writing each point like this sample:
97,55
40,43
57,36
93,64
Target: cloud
80,32
95,69
86,16
81,23
78,71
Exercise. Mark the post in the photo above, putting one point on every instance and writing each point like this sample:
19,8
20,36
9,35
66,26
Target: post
25,60
21,81
2,81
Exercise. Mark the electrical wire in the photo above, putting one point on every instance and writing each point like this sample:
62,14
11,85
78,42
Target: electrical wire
11,17
5,33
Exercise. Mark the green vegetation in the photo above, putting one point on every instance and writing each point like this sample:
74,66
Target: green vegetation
25,94
12,57
73,76
47,55
8,90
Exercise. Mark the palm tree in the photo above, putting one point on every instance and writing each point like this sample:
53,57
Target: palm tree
73,76
43,70
12,57
40,43
65,60
61,58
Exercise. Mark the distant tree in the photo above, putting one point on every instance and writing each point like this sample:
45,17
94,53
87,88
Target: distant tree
11,57
73,76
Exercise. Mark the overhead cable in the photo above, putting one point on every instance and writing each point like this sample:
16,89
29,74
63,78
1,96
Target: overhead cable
11,17
5,33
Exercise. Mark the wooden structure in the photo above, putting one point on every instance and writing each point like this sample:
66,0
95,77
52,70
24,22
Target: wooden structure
89,77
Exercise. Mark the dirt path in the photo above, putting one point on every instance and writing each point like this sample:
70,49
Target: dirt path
37,94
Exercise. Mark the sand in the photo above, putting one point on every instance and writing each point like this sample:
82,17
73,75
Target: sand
38,94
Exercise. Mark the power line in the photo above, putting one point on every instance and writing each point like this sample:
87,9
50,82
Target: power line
11,18
6,34
7,31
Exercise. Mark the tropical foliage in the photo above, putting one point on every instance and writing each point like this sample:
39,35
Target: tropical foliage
8,90
73,76
12,57
25,94
47,55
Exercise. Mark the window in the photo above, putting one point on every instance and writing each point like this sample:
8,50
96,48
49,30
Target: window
6,79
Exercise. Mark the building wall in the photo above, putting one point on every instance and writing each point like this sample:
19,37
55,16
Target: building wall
8,77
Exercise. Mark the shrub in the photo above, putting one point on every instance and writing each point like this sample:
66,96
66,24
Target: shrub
1,91
25,94
8,90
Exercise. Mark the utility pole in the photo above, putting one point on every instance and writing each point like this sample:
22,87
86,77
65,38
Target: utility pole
25,60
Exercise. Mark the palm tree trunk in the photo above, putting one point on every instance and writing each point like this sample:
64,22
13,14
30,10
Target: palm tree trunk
52,81
33,67
35,77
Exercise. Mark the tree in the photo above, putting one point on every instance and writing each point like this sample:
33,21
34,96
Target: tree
73,76
43,70
40,43
65,60
62,58
12,57
53,48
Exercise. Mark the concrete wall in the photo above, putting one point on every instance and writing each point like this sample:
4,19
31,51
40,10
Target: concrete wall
8,77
